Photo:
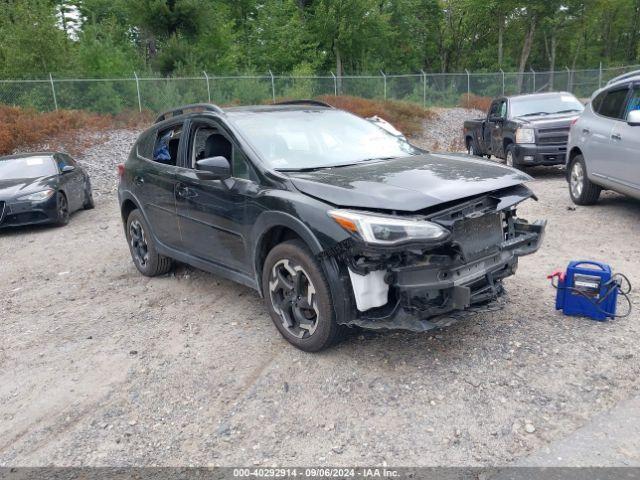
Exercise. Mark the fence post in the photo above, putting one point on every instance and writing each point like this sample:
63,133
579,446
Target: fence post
502,71
335,85
384,78
468,86
424,89
273,86
600,76
569,82
53,91
534,80
138,89
208,88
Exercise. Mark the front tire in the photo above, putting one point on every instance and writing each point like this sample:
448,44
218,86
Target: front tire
298,297
62,210
143,252
510,158
581,189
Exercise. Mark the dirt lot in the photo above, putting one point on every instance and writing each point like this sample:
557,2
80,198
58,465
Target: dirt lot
101,366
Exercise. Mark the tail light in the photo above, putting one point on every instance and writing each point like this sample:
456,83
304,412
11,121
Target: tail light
120,169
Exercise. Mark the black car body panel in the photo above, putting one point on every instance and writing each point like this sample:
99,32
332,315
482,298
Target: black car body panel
492,134
406,184
228,226
74,184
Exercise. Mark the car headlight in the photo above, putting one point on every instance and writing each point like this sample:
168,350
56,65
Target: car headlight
525,135
39,196
388,230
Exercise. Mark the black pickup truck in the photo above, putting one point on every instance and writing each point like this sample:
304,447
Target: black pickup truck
524,130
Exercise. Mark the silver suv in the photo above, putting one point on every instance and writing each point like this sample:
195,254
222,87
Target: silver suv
604,143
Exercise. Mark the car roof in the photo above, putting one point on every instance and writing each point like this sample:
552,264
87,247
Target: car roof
538,95
273,108
188,111
17,156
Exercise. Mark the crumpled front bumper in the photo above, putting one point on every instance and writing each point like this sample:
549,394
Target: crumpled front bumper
428,296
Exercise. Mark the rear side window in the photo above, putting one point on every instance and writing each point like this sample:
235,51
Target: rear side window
597,102
146,144
165,149
613,104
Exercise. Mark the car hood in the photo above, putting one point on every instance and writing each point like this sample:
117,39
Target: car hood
549,121
17,187
408,183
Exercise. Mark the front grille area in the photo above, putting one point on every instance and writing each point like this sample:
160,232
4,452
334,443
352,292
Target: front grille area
553,136
479,236
2,208
559,140
24,218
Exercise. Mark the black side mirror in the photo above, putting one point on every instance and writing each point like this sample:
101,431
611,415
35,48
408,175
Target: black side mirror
68,169
213,168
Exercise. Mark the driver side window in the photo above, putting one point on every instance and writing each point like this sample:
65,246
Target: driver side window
208,141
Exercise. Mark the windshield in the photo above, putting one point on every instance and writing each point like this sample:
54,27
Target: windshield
529,106
307,139
29,167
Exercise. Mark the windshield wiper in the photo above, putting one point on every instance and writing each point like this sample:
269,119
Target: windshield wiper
533,114
568,110
375,159
339,165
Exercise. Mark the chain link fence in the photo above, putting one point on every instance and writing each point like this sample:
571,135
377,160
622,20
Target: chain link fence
114,95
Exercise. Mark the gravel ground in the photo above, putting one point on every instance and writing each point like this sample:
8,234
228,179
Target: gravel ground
444,131
101,366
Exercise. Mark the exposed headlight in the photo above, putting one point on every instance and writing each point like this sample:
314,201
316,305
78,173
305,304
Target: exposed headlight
525,135
387,230
39,196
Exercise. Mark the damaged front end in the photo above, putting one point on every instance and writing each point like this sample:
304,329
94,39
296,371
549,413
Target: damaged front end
429,269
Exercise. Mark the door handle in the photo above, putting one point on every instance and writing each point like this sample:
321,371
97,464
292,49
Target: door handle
616,136
138,180
586,131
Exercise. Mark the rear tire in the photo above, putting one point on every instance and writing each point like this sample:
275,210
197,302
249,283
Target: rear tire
143,251
89,203
581,190
471,149
298,297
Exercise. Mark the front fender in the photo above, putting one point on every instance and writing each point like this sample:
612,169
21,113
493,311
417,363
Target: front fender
271,219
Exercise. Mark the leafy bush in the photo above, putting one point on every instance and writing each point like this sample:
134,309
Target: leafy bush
475,101
26,127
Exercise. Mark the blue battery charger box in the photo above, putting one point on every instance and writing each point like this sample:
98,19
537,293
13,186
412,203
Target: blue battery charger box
585,289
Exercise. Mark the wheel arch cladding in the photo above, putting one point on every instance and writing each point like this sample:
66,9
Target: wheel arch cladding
273,228
127,207
575,151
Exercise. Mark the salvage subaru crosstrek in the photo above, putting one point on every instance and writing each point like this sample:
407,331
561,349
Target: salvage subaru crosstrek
332,219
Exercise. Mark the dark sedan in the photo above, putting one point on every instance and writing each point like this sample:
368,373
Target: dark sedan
43,187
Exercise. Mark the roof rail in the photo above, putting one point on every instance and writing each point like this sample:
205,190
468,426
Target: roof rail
209,107
317,103
624,76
